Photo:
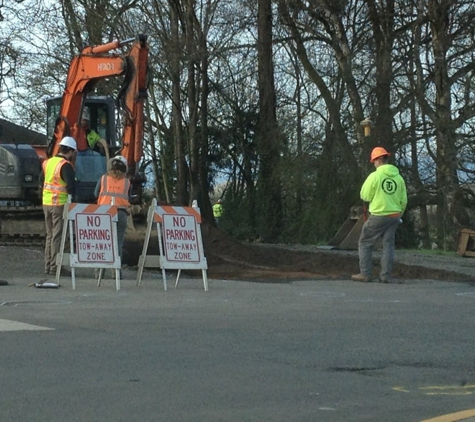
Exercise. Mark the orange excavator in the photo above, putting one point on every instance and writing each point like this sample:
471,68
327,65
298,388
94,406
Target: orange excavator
85,70
65,118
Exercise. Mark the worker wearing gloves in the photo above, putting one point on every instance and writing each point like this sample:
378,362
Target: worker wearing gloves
114,187
59,181
94,141
385,190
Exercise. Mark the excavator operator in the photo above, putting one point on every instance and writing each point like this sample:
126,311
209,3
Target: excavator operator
94,141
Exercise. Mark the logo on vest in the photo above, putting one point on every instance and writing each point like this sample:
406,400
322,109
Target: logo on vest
389,186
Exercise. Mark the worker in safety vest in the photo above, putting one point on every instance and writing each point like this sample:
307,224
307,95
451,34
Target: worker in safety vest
385,190
218,211
114,187
59,181
92,140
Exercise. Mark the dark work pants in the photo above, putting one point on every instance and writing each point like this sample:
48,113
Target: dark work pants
121,229
376,227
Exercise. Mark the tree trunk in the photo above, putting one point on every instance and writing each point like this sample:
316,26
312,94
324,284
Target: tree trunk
182,170
383,35
206,207
191,52
446,173
269,189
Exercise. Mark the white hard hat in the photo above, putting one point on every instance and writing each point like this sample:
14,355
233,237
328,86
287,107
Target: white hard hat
69,142
86,115
119,159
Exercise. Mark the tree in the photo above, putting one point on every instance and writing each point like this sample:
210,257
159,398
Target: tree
269,138
284,134
448,27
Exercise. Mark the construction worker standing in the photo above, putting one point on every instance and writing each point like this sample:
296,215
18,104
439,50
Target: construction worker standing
59,181
385,190
115,186
217,211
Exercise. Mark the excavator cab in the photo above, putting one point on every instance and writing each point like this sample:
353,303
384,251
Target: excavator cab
102,114
90,165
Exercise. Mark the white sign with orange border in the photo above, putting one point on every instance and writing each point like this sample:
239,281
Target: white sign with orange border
179,241
93,239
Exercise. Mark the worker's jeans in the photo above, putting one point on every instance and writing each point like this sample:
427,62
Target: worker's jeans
54,230
121,229
122,218
374,228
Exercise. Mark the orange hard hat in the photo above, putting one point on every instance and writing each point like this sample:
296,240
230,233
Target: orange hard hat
378,152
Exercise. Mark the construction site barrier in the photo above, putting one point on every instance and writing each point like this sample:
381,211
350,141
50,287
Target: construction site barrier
179,242
93,240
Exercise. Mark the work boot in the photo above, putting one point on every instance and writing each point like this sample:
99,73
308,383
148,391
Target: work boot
361,277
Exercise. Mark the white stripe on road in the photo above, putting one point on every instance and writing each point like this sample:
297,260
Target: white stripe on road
7,325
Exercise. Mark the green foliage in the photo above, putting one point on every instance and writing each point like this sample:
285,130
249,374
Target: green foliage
237,219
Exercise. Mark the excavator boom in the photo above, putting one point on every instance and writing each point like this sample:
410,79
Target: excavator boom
131,100
92,65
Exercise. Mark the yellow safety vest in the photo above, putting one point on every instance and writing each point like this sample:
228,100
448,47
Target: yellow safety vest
114,188
217,210
54,189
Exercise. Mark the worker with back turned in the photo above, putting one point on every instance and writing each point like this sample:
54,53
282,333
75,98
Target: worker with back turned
385,190
59,181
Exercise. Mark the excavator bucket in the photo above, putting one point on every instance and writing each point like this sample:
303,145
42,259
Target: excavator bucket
349,232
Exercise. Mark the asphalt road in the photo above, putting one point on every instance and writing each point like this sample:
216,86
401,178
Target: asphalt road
302,351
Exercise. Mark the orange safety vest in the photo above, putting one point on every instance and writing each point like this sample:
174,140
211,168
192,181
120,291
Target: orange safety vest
55,190
114,188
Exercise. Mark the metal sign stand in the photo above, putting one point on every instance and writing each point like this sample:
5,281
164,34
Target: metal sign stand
179,242
99,250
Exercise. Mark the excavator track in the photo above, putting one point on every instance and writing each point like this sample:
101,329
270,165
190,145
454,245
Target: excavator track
8,240
22,225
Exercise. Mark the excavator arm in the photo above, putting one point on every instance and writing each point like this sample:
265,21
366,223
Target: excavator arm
131,101
21,217
92,65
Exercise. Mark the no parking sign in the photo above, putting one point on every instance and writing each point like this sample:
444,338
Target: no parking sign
179,242
180,238
94,238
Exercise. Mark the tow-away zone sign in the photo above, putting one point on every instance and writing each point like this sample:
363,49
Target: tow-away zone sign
180,238
179,242
94,238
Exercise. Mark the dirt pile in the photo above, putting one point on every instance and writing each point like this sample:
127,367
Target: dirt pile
229,259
